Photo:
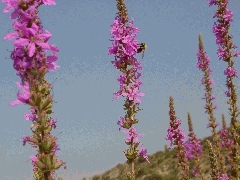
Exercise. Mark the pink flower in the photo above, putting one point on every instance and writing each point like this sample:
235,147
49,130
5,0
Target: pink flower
132,135
15,4
143,152
12,4
49,2
24,98
223,177
175,135
25,139
215,124
55,148
33,38
29,117
53,123
230,72
34,159
133,95
51,64
121,122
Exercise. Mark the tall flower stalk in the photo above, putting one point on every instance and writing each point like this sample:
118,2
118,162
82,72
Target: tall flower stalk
218,166
226,142
32,64
203,64
125,47
225,45
177,137
194,149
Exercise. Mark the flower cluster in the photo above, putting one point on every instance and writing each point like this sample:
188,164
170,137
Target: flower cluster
31,65
192,147
125,47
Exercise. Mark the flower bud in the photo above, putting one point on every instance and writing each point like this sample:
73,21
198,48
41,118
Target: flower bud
42,90
39,164
54,161
131,154
32,126
33,140
32,102
128,143
48,143
126,125
49,111
38,98
58,165
24,6
49,162
36,174
49,128
46,104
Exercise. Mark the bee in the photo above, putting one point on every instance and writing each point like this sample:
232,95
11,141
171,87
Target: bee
142,48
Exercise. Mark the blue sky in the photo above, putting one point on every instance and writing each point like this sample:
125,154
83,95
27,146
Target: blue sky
90,141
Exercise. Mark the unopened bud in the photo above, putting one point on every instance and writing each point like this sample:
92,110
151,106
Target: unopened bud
32,126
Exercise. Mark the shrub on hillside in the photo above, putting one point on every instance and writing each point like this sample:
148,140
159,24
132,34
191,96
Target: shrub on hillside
154,176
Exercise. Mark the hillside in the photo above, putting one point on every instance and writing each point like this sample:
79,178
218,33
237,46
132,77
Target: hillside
163,166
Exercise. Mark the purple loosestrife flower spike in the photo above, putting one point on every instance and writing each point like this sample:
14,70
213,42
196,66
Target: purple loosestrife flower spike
223,39
177,137
194,149
125,47
225,134
32,65
203,64
213,160
226,142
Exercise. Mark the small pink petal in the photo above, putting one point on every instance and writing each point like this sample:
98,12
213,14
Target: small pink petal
48,2
21,42
11,36
13,103
31,49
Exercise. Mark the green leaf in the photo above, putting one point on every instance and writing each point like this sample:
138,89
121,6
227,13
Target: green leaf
49,111
34,72
43,90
